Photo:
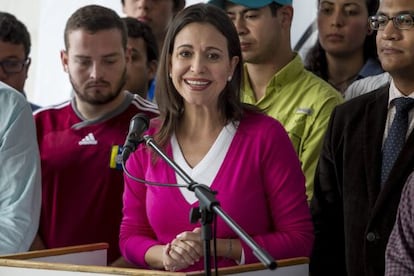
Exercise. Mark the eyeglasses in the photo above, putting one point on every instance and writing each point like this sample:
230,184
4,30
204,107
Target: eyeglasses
11,66
402,21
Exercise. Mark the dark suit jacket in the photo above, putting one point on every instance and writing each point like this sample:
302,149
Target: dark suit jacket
353,217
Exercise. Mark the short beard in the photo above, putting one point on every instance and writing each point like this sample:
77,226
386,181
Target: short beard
102,101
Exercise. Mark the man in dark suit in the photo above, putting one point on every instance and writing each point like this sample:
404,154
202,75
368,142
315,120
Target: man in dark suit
353,209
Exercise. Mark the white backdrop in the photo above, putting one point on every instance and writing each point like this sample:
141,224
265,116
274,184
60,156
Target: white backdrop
48,83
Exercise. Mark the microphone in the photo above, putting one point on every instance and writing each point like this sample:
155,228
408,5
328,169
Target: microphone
138,125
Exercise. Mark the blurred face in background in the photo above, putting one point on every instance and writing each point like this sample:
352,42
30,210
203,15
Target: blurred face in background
343,26
261,33
140,70
14,65
156,13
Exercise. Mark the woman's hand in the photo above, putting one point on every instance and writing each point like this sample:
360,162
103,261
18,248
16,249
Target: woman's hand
183,251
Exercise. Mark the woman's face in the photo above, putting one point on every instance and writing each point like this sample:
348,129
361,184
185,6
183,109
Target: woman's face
200,65
343,26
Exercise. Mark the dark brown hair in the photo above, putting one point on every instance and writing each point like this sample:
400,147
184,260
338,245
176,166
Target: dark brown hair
14,31
138,29
94,18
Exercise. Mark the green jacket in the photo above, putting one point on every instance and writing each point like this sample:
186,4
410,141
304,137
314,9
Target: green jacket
302,103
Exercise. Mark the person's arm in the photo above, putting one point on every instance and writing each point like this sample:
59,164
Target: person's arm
20,186
187,249
290,233
284,180
399,259
136,234
326,206
313,140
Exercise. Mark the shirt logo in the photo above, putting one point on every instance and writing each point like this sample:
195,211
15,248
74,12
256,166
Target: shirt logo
115,161
303,110
88,140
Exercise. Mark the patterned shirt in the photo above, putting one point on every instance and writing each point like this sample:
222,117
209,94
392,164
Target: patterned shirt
399,256
365,85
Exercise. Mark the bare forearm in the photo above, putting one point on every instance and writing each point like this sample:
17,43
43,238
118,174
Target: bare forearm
153,257
229,248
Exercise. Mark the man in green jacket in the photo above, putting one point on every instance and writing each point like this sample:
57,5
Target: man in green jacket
275,79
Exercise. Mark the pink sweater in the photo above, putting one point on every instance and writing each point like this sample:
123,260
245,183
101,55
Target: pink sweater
260,185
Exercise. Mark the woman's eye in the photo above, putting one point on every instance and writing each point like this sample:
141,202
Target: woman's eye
213,56
185,54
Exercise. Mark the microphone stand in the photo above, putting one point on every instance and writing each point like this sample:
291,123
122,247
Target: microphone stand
208,207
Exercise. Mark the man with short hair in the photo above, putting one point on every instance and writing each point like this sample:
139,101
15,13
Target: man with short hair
20,183
275,79
142,67
14,52
367,157
81,140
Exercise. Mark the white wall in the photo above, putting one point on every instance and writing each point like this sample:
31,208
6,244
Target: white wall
48,83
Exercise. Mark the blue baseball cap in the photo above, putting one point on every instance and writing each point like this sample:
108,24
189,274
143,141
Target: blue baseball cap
253,4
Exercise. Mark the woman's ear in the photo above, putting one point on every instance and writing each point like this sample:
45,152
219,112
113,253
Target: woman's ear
233,64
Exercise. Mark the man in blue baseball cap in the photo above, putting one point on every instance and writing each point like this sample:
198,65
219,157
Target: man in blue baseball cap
275,79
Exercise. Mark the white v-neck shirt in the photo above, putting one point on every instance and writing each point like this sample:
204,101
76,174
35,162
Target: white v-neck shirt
206,170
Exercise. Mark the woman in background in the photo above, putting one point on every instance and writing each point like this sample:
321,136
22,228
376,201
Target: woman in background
239,152
346,50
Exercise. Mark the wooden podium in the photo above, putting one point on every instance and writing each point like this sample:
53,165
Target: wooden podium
90,260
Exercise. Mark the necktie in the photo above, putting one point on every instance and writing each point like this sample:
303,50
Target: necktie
396,135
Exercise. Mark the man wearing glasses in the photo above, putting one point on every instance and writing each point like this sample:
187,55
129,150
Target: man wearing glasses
367,157
14,52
